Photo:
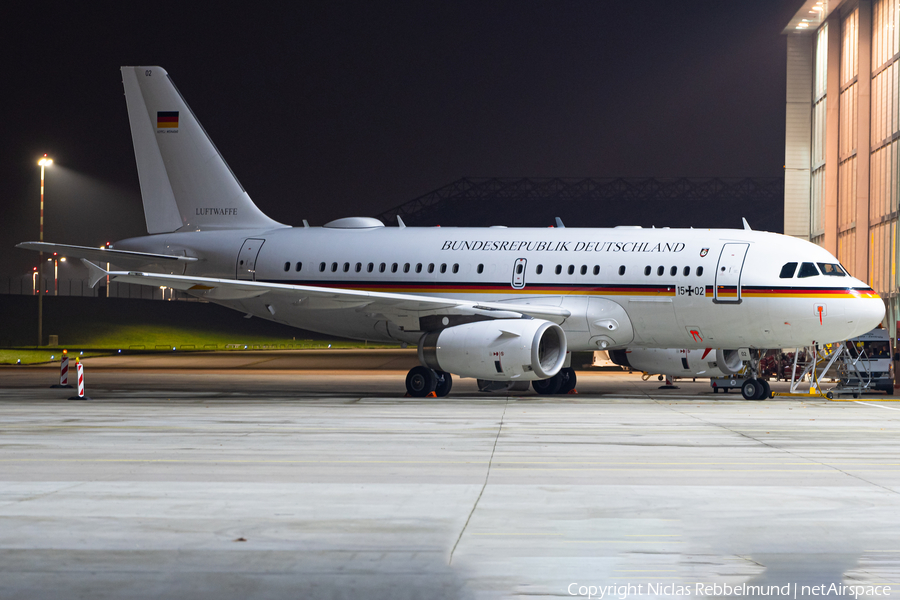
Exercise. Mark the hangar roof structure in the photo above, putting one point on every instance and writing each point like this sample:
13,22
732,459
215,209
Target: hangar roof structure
599,202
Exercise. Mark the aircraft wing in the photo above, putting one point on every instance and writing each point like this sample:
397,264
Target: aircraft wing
120,257
406,310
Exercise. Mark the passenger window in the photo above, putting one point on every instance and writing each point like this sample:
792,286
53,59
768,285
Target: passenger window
346,267
787,271
358,267
660,271
406,267
571,269
647,270
673,271
455,267
596,269
370,267
418,267
583,269
558,269
287,266
443,267
622,270
299,266
687,271
333,267
480,269
539,270
431,267
321,267
394,268
832,270
808,270
381,268
519,268
699,271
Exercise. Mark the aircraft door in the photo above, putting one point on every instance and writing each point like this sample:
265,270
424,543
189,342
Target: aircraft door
246,262
518,277
728,274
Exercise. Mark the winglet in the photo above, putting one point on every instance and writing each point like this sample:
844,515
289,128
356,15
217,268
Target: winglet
559,223
400,222
95,273
746,224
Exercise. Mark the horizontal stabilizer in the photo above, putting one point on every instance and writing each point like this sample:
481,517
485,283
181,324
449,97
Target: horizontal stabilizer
105,255
95,273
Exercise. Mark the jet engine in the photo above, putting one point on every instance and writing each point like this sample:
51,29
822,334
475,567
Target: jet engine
680,363
499,350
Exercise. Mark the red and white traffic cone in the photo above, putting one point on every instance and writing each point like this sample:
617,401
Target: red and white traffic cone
80,371
63,372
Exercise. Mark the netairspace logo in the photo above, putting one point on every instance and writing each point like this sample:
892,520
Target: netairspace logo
790,590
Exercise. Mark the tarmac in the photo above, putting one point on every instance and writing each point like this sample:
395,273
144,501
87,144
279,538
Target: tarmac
267,475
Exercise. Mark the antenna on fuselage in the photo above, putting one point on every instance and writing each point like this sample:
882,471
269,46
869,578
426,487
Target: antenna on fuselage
400,222
305,223
746,224
559,222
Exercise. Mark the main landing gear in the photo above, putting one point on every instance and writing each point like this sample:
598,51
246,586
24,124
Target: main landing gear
561,383
422,381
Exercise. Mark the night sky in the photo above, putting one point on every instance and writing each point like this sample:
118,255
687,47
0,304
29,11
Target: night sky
333,109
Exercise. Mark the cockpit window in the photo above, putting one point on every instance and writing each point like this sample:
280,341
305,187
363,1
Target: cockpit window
833,270
808,270
787,271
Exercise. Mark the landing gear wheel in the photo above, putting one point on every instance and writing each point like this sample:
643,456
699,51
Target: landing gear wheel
444,383
752,389
568,380
829,395
420,381
767,390
547,387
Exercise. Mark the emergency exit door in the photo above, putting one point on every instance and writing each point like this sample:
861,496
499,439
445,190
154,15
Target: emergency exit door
728,274
518,278
246,262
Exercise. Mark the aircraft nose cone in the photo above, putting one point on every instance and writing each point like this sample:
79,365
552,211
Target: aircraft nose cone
867,314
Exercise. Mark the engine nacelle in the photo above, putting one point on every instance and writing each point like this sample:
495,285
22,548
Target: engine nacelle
499,350
678,362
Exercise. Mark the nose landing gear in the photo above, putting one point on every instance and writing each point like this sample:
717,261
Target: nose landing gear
755,388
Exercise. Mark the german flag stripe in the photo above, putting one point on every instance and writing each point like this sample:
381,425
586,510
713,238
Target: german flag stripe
585,289
166,118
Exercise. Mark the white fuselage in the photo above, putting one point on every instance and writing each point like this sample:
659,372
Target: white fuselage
624,287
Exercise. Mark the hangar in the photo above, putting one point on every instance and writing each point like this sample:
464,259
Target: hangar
842,135
597,202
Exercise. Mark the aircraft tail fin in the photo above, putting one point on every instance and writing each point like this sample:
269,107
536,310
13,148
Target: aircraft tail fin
185,182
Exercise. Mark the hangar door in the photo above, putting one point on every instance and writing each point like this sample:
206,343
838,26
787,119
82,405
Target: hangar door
728,274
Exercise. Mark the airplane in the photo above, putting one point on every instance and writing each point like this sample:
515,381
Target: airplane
493,303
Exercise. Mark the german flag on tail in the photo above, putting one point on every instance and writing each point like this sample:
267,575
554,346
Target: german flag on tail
167,119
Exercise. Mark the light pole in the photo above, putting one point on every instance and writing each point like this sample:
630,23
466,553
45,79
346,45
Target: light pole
44,162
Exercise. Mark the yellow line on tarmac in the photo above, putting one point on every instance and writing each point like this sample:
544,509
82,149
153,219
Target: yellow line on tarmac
864,398
529,534
619,542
